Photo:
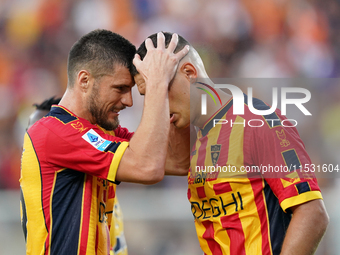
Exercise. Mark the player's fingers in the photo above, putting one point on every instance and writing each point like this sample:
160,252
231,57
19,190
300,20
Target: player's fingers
160,41
173,43
137,61
183,52
148,44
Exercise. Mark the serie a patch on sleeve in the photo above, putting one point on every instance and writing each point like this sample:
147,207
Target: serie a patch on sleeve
96,140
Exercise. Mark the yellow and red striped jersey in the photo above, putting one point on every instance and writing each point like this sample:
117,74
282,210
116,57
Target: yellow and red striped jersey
240,212
118,242
68,165
115,218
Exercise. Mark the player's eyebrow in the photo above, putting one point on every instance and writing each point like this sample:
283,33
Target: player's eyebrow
122,85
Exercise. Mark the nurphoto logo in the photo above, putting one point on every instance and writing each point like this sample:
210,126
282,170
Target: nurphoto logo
239,102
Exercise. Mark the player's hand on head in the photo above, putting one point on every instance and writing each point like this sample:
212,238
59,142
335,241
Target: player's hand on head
140,82
160,63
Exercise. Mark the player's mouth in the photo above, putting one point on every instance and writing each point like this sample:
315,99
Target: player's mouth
114,112
117,110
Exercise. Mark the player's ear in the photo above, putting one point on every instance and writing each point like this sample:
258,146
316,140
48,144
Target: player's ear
189,70
83,79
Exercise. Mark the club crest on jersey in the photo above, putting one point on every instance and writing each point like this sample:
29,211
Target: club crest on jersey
215,153
96,140
79,126
282,136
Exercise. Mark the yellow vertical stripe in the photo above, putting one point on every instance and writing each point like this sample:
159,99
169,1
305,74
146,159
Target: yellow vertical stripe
235,152
222,237
249,218
91,241
200,229
30,182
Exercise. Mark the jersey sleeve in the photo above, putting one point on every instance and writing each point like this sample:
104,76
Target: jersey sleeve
90,151
281,156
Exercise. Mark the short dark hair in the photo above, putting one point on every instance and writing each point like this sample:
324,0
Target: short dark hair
142,49
47,104
98,51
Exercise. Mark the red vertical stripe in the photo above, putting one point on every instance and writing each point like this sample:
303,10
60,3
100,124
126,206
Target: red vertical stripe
257,186
46,245
112,193
189,194
86,213
223,139
232,224
200,192
208,235
202,152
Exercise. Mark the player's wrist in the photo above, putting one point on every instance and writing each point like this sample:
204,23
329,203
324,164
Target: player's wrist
156,86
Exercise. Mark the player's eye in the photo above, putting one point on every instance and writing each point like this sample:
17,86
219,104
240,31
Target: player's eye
123,89
119,88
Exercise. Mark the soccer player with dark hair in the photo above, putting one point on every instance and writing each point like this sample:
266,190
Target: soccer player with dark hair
112,209
244,214
69,157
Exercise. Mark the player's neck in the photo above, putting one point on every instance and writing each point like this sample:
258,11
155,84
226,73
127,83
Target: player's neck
212,108
73,101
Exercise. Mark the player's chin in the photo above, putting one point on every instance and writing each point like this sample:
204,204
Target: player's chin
110,124
115,123
181,123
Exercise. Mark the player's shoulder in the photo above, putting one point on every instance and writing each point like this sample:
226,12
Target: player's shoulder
60,122
262,120
259,114
255,107
61,118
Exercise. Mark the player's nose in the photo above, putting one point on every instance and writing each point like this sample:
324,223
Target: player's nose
127,99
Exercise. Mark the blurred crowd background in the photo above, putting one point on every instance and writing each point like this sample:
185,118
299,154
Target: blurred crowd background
236,39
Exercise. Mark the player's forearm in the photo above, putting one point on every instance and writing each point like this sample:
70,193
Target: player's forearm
193,136
308,225
153,129
178,154
148,146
